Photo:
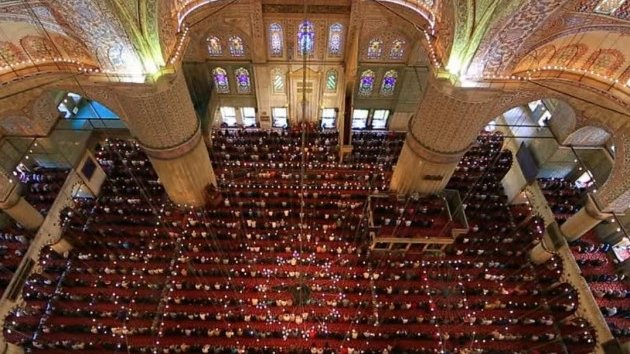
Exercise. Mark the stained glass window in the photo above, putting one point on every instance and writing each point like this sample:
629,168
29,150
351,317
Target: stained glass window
335,39
214,46
389,83
608,7
375,49
275,39
306,38
243,84
366,84
221,80
397,50
277,78
331,80
236,46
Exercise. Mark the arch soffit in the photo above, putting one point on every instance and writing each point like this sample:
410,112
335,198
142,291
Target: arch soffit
587,135
614,194
569,24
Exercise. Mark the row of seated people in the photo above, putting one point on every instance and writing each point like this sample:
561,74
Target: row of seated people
483,187
610,289
481,165
411,217
478,177
42,185
141,283
563,197
521,212
194,293
14,243
128,166
377,148
259,145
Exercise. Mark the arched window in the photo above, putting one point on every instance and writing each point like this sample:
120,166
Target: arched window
335,39
306,38
375,48
214,46
277,78
221,80
236,46
331,80
243,84
275,40
366,83
389,83
396,52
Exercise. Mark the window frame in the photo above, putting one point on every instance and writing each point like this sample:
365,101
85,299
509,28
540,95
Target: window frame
223,116
324,118
248,121
275,117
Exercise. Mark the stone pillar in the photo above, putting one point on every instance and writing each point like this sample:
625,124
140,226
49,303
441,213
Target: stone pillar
164,121
446,124
14,205
584,220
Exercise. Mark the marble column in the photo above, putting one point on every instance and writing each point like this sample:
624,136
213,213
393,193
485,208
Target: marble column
16,207
584,220
444,127
164,121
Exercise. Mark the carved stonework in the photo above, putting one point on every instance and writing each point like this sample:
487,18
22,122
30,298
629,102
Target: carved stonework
44,114
162,116
167,24
98,25
614,196
446,29
259,47
500,49
449,119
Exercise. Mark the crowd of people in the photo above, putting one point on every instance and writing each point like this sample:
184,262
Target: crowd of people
282,263
14,242
478,179
410,217
610,289
563,197
42,185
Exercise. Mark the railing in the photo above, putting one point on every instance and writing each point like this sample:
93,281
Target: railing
48,233
587,306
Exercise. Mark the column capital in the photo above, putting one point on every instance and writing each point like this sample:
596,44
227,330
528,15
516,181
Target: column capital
175,151
426,153
448,87
161,116
448,118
